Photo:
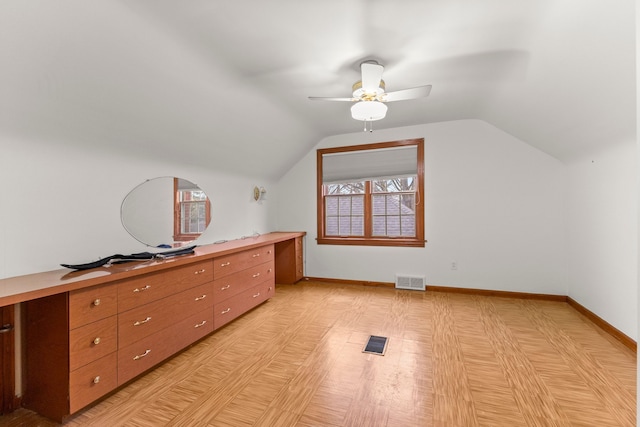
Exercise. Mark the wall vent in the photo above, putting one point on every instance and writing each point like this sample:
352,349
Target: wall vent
414,283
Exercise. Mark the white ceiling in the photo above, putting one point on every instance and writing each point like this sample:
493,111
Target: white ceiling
224,83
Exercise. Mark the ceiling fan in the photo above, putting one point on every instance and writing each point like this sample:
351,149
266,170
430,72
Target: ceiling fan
369,95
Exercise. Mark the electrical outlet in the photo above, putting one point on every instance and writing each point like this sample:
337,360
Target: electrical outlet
454,265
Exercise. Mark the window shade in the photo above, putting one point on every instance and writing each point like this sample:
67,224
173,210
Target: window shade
373,164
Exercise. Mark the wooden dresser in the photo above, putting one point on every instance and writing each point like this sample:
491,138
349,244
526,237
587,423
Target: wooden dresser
84,342
242,281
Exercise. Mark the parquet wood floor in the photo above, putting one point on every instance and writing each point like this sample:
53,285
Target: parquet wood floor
452,360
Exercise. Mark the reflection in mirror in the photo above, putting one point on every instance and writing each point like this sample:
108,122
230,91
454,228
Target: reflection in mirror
166,212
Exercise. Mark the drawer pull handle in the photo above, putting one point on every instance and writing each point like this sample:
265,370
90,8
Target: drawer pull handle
96,302
96,340
226,311
140,356
256,275
96,380
141,322
257,295
200,271
144,288
269,271
256,255
200,324
201,298
224,288
269,251
6,328
224,264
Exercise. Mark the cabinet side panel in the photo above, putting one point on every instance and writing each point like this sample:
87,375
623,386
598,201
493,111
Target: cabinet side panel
47,356
285,257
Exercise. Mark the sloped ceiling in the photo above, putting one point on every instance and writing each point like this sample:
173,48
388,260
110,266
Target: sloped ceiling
224,83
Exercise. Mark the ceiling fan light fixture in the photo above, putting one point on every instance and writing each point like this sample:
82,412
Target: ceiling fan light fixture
368,110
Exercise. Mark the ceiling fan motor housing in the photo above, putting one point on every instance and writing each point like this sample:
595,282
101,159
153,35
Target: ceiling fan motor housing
367,95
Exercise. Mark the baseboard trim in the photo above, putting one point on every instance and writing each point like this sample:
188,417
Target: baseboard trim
604,325
594,318
492,293
350,282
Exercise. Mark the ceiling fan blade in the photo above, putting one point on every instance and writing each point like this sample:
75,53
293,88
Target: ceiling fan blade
320,98
371,76
412,93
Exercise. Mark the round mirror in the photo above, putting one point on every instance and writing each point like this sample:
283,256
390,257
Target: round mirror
166,212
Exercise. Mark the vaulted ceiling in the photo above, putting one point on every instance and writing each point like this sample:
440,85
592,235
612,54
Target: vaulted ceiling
224,83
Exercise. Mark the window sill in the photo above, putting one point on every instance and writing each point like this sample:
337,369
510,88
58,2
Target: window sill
372,242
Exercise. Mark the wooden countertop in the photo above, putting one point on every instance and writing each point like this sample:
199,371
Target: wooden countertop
18,289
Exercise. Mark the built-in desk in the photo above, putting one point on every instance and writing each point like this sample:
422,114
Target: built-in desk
86,333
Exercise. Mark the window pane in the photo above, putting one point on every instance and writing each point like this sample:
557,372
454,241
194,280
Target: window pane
332,206
345,226
202,217
394,185
357,187
346,188
193,217
191,195
357,205
393,225
378,205
187,218
184,218
394,215
379,226
198,195
357,226
344,215
408,224
332,226
345,206
393,204
332,189
408,203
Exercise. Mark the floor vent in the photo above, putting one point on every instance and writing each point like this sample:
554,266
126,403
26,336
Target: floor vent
376,345
414,283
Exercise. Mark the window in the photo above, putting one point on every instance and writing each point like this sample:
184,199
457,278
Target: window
372,194
192,212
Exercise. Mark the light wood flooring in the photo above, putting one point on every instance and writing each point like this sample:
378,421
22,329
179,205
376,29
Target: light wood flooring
452,360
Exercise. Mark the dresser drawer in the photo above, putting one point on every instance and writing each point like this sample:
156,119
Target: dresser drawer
229,309
261,293
95,303
151,287
235,283
140,322
233,263
92,381
93,341
147,352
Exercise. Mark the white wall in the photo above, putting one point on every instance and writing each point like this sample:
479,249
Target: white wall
494,205
603,234
61,203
